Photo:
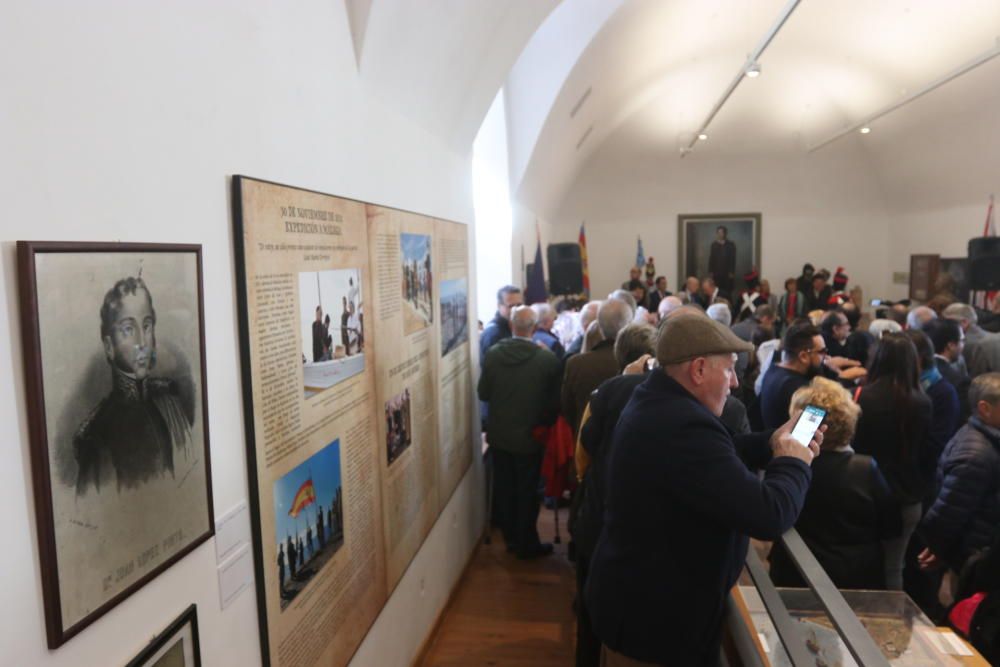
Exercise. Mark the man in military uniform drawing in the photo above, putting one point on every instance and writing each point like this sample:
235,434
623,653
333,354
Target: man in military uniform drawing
132,434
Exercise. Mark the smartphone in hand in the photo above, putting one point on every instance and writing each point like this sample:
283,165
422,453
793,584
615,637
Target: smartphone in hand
808,423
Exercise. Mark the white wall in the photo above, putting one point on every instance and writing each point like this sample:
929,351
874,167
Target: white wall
826,208
121,121
493,209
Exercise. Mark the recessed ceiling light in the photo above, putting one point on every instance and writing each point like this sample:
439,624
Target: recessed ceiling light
702,136
865,130
753,71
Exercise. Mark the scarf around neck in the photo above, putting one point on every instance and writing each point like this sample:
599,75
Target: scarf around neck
929,378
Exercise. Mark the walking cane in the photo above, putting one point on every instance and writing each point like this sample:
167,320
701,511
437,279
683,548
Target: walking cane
488,459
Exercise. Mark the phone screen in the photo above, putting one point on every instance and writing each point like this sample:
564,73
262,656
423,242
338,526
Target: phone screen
807,424
876,302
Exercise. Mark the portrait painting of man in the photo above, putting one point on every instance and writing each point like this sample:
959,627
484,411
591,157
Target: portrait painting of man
723,247
115,377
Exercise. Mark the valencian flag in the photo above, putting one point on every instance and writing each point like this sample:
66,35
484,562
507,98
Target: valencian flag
583,261
535,291
640,256
304,497
989,229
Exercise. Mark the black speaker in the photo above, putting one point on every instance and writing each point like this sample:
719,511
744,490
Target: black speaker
984,263
565,268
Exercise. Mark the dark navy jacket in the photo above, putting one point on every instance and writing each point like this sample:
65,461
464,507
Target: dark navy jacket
966,513
681,502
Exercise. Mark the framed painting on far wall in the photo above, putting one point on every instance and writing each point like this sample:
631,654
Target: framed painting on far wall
114,363
177,646
723,246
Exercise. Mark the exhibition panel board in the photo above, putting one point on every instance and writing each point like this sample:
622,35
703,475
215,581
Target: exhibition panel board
456,409
341,346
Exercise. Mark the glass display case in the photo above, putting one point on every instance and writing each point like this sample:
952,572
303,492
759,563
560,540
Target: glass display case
903,634
821,626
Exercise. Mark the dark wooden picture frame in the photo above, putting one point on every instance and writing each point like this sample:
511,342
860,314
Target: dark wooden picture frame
694,233
188,617
923,275
72,459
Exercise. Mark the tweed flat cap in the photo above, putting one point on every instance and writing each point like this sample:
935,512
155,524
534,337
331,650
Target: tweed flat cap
685,338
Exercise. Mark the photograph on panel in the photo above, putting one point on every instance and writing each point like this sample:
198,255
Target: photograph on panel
331,320
418,311
308,519
398,425
454,314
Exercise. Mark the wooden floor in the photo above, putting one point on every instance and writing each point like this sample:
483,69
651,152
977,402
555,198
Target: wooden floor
508,612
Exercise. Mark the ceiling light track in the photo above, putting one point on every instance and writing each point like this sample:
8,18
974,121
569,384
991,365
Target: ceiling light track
864,126
752,63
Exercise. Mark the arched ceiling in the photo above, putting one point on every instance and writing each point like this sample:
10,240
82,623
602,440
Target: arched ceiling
441,63
654,69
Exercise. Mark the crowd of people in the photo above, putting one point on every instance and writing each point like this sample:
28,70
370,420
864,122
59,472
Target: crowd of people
682,407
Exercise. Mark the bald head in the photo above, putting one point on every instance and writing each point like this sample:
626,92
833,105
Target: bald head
668,305
523,321
612,317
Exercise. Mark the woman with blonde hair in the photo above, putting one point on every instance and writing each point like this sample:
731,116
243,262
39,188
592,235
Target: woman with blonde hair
849,510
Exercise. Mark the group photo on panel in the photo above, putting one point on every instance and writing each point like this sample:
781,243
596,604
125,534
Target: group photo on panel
871,427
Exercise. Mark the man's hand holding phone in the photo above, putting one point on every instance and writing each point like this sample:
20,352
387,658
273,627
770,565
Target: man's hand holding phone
788,440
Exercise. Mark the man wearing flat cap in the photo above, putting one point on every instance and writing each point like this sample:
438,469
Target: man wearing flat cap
682,501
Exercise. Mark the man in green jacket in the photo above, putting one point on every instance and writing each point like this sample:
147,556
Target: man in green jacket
520,382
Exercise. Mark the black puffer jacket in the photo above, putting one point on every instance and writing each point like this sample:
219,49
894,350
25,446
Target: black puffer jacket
966,512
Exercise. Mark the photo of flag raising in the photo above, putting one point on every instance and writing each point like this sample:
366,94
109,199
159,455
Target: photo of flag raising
308,521
305,497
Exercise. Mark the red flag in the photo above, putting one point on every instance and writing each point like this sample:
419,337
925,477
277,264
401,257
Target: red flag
583,261
304,497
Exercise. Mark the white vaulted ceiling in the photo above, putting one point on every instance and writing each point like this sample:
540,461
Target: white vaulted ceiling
654,69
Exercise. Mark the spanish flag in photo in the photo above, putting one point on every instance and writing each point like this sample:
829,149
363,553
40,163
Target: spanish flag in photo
304,497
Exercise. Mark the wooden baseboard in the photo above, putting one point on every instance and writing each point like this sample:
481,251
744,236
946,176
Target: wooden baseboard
425,646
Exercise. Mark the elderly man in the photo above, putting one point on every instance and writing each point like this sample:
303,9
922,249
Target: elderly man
982,348
543,331
835,330
587,315
721,313
762,318
584,372
520,383
966,513
690,292
668,305
682,502
919,316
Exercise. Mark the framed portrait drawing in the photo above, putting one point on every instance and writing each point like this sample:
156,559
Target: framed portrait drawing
724,247
177,646
114,362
